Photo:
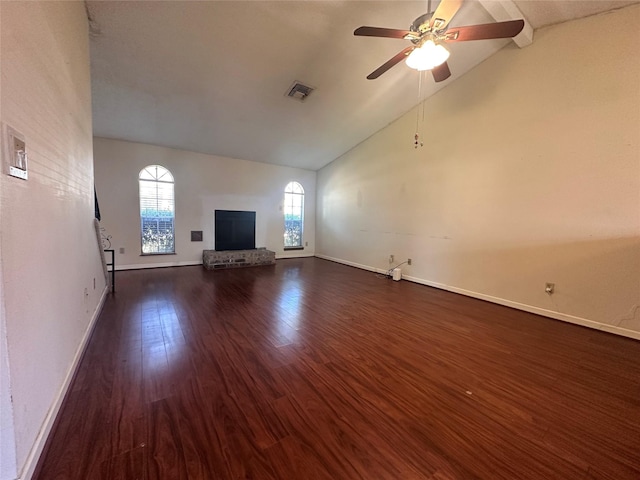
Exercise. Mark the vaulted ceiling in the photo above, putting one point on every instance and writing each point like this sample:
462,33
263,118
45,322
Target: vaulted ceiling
212,76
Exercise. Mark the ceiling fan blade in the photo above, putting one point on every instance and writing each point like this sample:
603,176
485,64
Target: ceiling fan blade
444,13
486,31
441,72
382,32
390,63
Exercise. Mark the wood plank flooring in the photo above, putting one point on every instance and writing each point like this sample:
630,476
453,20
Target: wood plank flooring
314,370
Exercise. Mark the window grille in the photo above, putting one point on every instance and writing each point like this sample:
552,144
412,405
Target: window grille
293,215
157,210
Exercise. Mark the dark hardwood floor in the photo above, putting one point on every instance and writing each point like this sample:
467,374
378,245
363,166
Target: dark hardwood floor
314,370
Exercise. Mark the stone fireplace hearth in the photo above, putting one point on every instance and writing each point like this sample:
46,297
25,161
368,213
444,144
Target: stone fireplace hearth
215,260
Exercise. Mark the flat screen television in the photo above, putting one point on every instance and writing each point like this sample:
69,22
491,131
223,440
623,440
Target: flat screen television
235,230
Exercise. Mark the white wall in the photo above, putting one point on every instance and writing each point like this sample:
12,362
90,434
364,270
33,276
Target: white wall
49,250
203,184
7,432
530,173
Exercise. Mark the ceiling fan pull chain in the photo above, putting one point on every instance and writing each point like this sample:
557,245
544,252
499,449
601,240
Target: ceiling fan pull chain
423,102
416,137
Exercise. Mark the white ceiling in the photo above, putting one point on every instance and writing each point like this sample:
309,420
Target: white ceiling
211,76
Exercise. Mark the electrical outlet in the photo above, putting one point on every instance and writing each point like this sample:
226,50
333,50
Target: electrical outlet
549,287
390,258
121,249
409,262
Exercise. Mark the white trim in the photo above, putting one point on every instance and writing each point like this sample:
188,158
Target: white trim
38,446
292,254
501,301
351,264
139,266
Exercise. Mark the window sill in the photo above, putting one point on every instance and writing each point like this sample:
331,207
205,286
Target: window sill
286,249
154,254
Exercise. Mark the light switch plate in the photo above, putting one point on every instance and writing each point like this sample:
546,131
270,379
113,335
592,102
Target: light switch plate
15,153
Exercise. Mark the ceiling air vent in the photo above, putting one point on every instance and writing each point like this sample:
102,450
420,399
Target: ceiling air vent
299,91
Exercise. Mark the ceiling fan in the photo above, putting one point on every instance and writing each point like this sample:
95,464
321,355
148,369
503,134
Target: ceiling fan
429,31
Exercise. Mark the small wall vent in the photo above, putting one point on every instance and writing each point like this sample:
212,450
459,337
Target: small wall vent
299,91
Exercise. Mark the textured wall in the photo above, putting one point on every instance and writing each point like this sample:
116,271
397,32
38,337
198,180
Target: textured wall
49,250
529,174
203,184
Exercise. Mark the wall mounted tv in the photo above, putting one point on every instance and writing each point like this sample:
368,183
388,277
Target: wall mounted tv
235,230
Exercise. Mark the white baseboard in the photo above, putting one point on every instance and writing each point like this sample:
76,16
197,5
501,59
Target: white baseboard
294,255
502,301
351,264
34,455
139,266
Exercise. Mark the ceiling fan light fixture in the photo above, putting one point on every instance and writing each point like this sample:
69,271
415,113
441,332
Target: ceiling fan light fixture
427,57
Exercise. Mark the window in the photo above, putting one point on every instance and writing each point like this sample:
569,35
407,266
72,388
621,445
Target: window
293,215
157,210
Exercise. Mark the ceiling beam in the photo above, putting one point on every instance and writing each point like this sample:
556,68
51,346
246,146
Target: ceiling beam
504,10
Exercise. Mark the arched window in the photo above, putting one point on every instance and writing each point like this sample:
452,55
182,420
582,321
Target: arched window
157,210
293,215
